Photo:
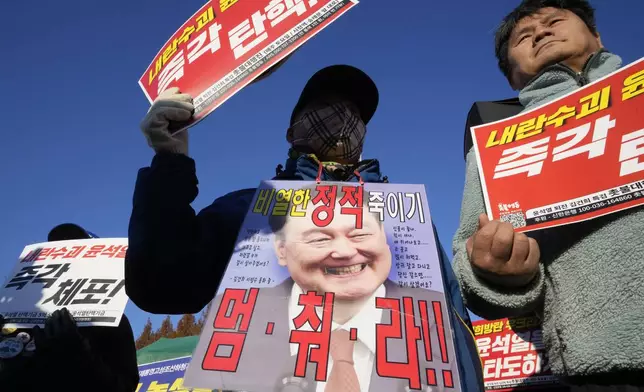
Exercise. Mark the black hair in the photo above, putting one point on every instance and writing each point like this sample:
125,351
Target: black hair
581,8
277,222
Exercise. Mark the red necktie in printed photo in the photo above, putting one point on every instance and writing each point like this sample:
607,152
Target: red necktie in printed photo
343,377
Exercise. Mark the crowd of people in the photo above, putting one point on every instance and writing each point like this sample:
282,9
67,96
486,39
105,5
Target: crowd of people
545,49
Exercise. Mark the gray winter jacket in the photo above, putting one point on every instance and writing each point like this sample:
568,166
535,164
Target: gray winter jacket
589,292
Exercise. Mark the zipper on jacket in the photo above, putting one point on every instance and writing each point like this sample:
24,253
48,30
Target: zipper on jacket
582,80
361,168
580,77
367,164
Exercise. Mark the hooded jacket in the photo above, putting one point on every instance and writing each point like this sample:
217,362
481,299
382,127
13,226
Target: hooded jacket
588,291
170,244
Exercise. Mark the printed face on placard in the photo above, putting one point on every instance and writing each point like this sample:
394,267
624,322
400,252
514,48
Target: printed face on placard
337,258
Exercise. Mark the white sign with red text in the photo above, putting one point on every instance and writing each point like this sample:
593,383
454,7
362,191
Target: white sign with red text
84,276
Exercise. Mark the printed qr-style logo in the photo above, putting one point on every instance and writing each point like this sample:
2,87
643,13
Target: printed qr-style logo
517,219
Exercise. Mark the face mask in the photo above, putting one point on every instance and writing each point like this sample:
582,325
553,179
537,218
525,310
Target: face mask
332,132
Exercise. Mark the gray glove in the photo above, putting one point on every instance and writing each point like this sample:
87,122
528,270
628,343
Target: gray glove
169,112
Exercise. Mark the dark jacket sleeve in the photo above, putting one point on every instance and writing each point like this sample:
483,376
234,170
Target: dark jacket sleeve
469,364
109,364
176,258
101,359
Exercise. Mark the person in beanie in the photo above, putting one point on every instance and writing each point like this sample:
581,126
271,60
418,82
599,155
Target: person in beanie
64,356
584,281
169,242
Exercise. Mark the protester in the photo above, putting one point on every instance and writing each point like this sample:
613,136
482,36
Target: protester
583,280
66,357
170,245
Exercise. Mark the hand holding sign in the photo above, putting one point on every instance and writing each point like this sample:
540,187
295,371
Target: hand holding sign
224,47
170,112
499,254
59,335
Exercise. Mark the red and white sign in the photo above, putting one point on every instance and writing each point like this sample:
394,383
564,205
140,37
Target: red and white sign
227,44
576,158
513,354
85,276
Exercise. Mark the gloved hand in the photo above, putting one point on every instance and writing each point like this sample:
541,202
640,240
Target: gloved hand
60,338
169,112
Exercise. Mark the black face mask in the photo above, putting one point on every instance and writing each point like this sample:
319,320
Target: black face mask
331,132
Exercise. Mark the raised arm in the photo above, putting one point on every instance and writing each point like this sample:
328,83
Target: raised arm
175,258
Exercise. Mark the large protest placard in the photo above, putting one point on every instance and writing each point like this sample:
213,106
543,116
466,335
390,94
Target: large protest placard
84,276
513,355
166,376
576,158
330,281
227,44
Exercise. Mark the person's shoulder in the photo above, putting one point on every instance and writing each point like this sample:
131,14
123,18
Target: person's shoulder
483,112
245,194
233,204
239,193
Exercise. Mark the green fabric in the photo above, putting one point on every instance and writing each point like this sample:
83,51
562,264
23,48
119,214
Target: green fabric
164,349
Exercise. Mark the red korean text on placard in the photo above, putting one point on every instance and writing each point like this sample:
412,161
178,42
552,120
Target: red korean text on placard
532,160
318,339
353,195
222,47
326,195
512,353
410,369
233,317
402,320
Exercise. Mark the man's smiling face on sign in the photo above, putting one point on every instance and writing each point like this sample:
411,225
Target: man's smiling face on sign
338,258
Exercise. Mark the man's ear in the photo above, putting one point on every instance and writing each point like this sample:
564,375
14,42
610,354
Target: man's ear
280,250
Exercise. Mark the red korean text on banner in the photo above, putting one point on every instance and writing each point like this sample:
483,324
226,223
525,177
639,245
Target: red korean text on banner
75,252
326,197
403,326
231,324
513,355
352,201
576,158
227,44
317,340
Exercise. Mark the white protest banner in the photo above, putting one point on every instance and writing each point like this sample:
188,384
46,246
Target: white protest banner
84,276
